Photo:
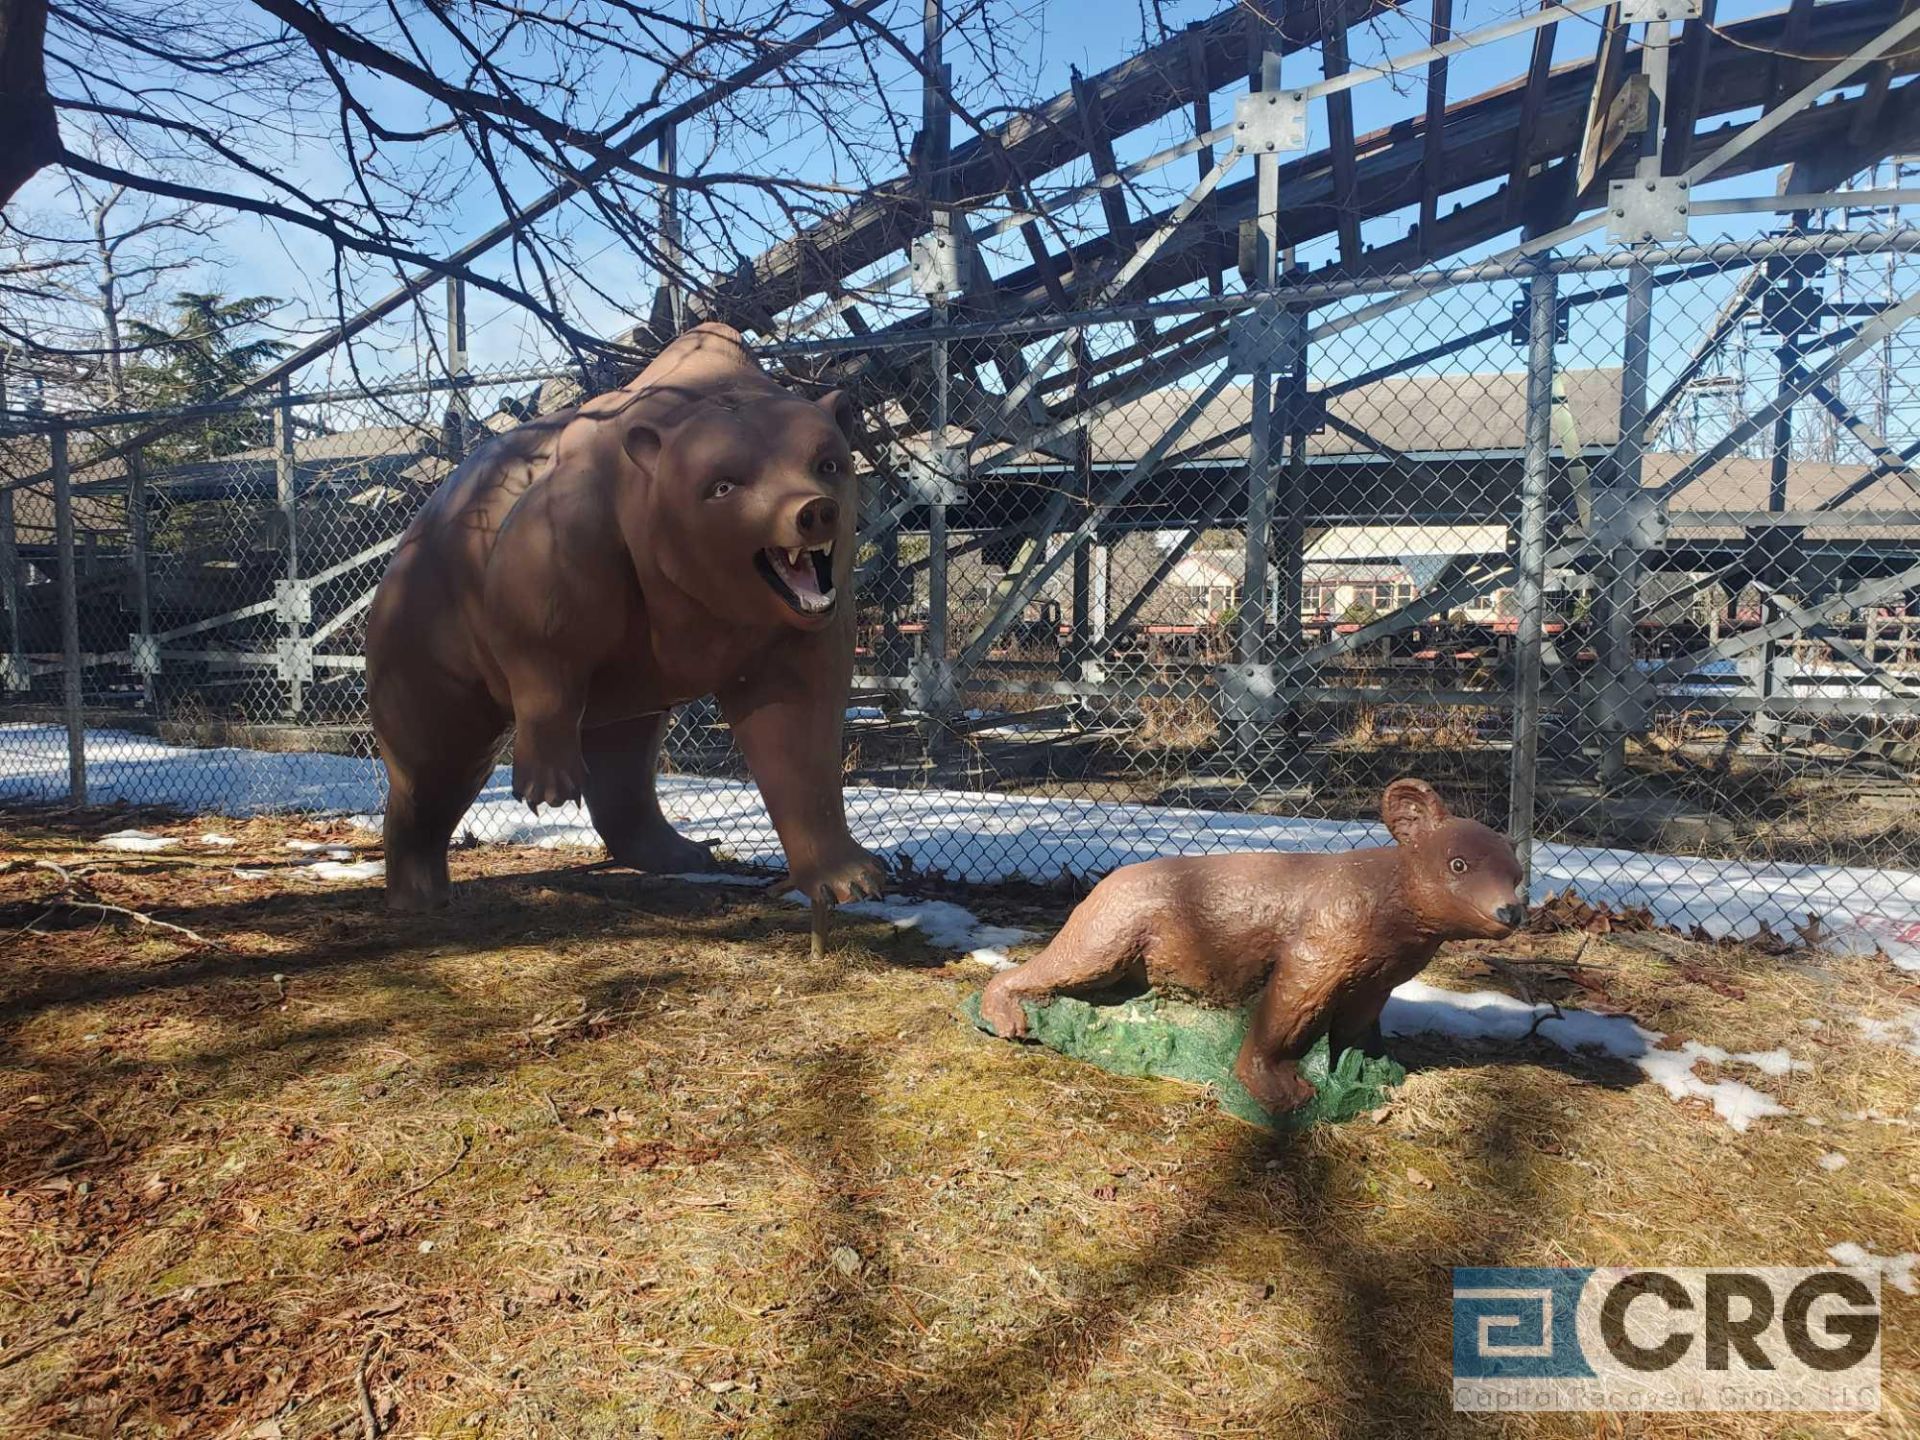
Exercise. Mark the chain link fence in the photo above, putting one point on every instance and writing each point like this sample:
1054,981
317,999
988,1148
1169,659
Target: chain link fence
1618,549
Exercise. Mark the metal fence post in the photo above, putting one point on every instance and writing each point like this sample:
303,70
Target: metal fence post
293,600
1530,588
69,620
16,674
138,546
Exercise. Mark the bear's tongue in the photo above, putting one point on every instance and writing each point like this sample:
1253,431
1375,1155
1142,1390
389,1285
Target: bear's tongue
796,574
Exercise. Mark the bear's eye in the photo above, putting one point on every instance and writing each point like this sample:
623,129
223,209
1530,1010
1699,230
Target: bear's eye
719,489
829,466
1457,865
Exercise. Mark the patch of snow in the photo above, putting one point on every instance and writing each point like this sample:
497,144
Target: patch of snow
1417,1008
972,835
1833,1160
1902,1032
336,870
252,874
715,877
138,840
314,847
1896,1270
941,923
214,840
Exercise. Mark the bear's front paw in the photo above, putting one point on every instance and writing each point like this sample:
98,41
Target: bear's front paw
1278,1087
855,875
1000,1007
543,779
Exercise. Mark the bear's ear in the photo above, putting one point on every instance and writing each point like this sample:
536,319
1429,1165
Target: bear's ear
643,446
839,405
1410,806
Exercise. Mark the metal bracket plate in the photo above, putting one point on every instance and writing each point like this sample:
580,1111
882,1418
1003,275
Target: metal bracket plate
926,482
1268,122
15,672
293,601
1247,691
935,261
1629,519
145,651
293,659
929,684
1642,210
1645,12
1269,337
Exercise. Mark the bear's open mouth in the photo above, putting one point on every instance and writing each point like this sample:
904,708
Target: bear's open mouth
803,577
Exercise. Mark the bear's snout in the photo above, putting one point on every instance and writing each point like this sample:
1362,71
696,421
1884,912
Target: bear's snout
818,520
1511,916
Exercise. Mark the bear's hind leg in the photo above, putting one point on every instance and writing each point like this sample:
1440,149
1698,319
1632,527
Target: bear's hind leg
622,759
424,804
1079,959
1356,1026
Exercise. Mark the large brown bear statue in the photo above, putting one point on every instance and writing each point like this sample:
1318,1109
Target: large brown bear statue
1321,940
691,534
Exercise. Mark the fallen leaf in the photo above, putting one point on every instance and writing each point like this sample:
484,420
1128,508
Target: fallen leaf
1418,1180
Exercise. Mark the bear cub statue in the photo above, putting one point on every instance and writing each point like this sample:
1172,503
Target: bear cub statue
1319,939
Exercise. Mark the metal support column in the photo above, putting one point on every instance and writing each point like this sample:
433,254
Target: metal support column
672,259
1530,579
13,665
69,582
936,678
139,546
454,424
1618,696
1764,725
1261,470
1621,571
295,609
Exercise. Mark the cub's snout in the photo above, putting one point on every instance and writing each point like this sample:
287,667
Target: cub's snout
1511,916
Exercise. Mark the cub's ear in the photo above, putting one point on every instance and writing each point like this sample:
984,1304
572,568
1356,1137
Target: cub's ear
1410,806
839,405
643,446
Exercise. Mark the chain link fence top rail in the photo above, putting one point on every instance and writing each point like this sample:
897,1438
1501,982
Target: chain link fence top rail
1178,577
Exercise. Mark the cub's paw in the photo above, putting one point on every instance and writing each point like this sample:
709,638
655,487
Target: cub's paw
539,780
853,876
1000,1007
1278,1087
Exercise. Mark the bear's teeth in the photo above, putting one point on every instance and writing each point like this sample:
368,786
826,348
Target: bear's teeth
826,549
793,558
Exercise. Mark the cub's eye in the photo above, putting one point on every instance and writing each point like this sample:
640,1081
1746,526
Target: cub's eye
1457,865
719,489
829,466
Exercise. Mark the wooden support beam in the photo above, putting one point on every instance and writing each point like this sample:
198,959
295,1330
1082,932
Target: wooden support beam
1202,121
1138,91
1879,79
1333,51
1683,89
1609,60
1113,199
1531,100
1792,43
1434,163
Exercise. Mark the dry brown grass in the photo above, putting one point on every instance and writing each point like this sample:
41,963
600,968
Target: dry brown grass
603,1156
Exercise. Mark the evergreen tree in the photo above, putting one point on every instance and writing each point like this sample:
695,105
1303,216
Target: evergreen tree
202,354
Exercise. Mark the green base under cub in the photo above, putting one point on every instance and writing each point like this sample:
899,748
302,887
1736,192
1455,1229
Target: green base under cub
1152,1035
